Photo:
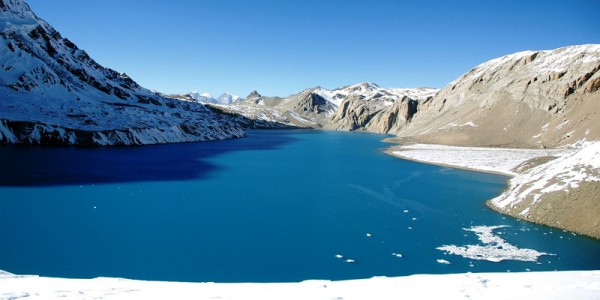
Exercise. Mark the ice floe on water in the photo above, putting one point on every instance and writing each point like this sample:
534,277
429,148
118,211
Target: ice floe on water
494,247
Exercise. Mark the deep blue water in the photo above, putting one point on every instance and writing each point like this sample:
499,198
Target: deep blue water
276,206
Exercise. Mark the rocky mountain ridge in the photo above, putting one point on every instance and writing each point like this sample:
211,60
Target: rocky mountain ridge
52,92
363,106
530,99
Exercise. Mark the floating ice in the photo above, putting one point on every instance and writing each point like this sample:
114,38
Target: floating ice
369,235
443,261
494,248
397,255
339,256
350,261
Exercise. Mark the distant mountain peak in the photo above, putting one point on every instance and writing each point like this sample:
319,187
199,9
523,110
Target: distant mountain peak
254,94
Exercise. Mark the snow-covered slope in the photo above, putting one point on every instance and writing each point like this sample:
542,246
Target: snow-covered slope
563,193
52,92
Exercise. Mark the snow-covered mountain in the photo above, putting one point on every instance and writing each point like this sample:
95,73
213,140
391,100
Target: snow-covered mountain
368,107
52,92
202,97
206,98
318,107
227,98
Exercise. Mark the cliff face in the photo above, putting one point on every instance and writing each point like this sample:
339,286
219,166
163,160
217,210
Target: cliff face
529,99
52,92
356,113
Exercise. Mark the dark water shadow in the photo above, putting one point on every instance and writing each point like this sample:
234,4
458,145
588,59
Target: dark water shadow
24,165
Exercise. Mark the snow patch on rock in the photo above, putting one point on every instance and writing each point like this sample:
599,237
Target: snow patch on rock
561,174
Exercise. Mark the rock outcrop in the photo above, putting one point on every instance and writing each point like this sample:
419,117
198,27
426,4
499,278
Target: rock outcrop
356,113
52,92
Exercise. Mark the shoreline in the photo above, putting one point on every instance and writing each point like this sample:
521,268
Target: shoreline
391,152
552,187
499,161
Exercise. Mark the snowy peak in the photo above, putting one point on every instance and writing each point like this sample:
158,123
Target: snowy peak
202,97
17,8
224,99
227,99
371,91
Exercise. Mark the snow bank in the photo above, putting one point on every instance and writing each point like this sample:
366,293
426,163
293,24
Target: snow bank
530,285
496,160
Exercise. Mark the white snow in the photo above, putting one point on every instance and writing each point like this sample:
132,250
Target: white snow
386,97
496,160
525,285
561,174
224,99
494,247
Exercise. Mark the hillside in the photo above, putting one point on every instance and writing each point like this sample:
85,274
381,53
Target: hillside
531,99
563,193
52,92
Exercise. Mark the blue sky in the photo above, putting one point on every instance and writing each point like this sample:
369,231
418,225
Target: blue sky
280,47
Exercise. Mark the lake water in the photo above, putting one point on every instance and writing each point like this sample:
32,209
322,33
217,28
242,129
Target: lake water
276,206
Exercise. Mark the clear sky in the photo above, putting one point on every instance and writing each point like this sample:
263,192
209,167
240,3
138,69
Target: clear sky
280,47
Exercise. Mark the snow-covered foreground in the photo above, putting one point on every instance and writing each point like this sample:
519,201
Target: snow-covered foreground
529,285
496,160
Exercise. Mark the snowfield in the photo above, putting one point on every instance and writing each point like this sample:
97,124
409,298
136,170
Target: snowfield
494,160
528,285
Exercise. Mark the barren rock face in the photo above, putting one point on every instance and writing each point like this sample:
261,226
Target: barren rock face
527,99
356,113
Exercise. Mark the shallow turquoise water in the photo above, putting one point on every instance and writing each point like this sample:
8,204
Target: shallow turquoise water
277,206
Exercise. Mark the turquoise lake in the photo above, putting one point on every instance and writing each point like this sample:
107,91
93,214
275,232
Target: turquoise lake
276,206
